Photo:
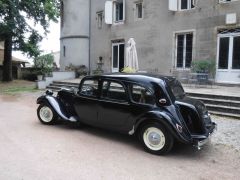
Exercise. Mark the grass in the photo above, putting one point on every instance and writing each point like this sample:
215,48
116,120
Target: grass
17,86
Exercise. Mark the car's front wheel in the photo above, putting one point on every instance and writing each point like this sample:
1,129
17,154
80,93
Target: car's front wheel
156,139
46,114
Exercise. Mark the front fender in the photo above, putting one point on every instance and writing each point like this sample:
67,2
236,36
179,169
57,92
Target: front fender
55,104
165,119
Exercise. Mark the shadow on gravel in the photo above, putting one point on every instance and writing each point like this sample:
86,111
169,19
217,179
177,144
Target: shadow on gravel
102,133
179,150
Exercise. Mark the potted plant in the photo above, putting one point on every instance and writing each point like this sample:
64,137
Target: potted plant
204,66
40,77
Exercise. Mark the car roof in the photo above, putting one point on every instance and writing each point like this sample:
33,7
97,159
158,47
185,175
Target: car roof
137,77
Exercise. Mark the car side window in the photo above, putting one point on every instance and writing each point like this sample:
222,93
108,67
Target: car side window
142,95
114,91
89,88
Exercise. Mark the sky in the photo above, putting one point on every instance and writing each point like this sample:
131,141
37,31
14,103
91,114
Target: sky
50,43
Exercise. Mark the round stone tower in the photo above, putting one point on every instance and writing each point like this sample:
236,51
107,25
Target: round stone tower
74,40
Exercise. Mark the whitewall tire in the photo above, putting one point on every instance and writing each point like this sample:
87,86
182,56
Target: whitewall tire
156,139
46,114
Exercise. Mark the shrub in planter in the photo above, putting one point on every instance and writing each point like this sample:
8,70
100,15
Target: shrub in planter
204,66
81,70
44,64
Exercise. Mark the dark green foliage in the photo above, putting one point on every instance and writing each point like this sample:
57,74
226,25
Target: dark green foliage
15,16
44,63
205,66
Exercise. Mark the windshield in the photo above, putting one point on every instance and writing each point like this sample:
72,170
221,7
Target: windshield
177,89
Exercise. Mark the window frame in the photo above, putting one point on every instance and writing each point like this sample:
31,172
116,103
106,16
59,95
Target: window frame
175,51
99,14
115,21
231,37
189,5
136,13
118,44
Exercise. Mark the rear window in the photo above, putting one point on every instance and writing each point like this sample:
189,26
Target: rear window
176,89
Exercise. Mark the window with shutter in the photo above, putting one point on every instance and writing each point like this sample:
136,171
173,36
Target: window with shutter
179,5
119,11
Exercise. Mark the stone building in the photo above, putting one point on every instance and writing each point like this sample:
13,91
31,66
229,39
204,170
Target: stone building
170,34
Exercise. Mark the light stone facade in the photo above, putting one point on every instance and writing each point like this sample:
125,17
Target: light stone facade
155,34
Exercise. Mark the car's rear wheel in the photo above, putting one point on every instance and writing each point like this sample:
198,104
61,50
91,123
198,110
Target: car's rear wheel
46,114
156,139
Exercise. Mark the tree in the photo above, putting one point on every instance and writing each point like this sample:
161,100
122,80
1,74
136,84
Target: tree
44,63
16,31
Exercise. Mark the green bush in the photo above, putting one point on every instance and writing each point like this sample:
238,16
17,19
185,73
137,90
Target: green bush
44,64
204,66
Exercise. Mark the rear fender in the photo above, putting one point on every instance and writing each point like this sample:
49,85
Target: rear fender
57,106
167,121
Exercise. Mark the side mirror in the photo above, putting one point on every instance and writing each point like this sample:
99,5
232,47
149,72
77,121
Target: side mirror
162,101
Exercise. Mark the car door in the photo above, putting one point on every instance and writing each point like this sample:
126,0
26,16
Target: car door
86,102
114,106
142,100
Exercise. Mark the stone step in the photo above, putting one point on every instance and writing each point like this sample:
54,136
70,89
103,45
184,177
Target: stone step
66,83
53,88
213,96
223,102
235,116
223,109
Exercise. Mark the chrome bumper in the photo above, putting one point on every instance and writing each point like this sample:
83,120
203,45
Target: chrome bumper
200,141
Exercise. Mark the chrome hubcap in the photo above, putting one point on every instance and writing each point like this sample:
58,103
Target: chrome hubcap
46,114
154,138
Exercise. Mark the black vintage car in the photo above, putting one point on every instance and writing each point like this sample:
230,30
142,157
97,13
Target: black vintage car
153,107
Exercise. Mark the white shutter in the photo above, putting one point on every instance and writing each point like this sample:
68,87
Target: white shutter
108,12
173,5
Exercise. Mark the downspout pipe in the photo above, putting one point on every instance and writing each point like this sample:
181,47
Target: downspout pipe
89,50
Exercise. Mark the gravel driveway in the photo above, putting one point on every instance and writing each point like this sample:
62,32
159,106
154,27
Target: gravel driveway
30,150
228,133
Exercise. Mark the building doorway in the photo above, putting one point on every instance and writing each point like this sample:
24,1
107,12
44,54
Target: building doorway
228,56
118,52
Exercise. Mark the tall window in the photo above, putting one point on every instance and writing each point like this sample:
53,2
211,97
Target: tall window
139,10
117,56
119,11
99,19
184,48
187,4
229,54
